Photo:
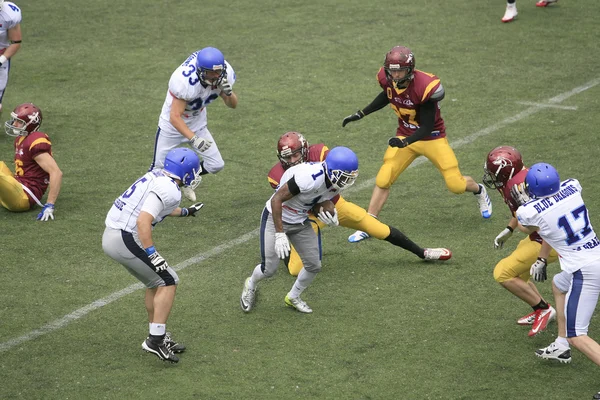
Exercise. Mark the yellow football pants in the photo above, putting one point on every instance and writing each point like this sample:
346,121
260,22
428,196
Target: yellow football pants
519,262
12,195
350,216
438,151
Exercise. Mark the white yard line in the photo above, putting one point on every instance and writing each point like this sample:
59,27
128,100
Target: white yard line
531,103
83,311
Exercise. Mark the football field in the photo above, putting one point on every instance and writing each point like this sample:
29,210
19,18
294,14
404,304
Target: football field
386,325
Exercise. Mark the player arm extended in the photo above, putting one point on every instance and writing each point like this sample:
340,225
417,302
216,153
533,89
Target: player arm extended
177,110
284,193
48,164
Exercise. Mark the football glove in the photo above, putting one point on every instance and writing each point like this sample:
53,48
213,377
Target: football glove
47,212
282,245
503,237
225,87
538,270
191,210
519,194
159,263
327,218
201,144
397,142
354,117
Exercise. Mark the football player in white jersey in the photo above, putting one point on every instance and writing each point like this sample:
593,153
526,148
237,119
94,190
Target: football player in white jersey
10,40
128,240
557,212
285,219
201,79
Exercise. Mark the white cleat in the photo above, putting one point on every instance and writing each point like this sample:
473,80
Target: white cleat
485,204
358,236
545,3
438,254
510,14
298,304
189,193
247,299
555,352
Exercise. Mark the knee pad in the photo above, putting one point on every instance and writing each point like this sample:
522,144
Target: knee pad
315,268
457,184
562,281
384,176
214,168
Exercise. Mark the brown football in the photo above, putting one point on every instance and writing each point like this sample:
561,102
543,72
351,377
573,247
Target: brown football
327,205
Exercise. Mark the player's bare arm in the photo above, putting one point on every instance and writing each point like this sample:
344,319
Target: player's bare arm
177,110
230,101
48,164
283,194
14,35
144,229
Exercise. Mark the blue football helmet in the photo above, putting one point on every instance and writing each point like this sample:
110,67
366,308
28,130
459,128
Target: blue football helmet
542,180
210,59
341,165
183,164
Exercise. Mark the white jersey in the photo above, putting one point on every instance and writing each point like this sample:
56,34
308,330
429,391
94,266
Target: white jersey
565,225
185,84
10,16
126,208
310,178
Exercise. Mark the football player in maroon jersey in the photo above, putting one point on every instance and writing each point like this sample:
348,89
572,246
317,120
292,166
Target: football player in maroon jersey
35,167
414,96
504,168
293,149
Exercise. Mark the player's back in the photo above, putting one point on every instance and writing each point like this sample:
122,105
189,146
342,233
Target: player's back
565,224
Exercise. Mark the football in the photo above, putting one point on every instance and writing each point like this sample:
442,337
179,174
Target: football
327,205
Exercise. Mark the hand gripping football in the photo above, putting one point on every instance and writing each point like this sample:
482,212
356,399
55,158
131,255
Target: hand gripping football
327,205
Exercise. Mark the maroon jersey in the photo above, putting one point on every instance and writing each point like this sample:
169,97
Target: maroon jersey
512,205
27,171
406,103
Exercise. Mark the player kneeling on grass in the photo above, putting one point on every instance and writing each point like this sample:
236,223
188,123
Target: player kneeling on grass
557,212
128,239
35,167
285,219
293,149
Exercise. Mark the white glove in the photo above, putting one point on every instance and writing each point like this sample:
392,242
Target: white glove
201,144
519,194
225,87
159,263
282,245
538,270
503,237
327,218
47,213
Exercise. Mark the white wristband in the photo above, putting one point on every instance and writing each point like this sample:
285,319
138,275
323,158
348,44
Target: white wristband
3,59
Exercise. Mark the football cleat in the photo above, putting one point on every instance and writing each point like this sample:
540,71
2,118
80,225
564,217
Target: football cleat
189,193
247,299
545,3
173,345
485,204
527,319
358,236
438,254
555,352
541,320
510,14
596,396
161,350
298,304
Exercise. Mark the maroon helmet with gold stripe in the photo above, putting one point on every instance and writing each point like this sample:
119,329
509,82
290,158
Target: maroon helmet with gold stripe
397,59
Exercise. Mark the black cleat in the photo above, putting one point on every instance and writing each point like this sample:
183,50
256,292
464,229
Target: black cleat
173,345
161,350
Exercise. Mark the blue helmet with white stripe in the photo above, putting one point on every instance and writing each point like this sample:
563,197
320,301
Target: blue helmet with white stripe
341,165
183,164
542,180
210,60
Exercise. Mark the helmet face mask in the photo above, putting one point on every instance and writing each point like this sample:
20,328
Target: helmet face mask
25,119
341,165
292,149
542,180
397,60
210,66
501,165
183,164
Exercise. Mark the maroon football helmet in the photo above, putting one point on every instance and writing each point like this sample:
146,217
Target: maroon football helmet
501,165
399,58
289,144
25,119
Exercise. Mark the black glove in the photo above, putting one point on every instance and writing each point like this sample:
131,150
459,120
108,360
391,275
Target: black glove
397,142
354,117
191,210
